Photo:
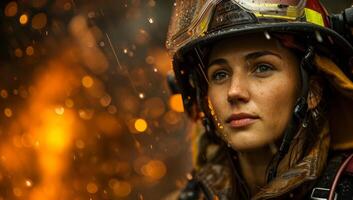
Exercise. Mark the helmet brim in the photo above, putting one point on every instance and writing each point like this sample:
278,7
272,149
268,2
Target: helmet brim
305,29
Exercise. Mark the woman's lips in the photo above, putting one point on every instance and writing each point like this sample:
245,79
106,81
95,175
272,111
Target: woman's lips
241,120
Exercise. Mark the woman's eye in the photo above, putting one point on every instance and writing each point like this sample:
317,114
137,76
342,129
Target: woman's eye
219,76
263,68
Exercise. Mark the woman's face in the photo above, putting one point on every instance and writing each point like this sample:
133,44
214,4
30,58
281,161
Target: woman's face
253,85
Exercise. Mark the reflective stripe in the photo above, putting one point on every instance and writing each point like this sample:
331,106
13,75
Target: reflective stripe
274,16
314,17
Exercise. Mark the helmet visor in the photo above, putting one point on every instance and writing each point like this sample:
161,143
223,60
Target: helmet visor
191,19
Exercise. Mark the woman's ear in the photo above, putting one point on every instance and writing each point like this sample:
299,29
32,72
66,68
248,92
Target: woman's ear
315,92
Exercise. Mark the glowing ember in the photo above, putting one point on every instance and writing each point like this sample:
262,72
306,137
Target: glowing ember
39,21
140,125
176,103
80,144
154,169
141,95
4,94
92,188
86,114
150,20
112,109
28,183
67,6
18,53
29,50
11,9
87,81
69,103
120,188
105,100
59,110
23,19
8,112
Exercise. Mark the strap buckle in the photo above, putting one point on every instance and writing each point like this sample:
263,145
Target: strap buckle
321,194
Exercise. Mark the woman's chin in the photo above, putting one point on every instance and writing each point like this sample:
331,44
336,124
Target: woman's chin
247,142
246,147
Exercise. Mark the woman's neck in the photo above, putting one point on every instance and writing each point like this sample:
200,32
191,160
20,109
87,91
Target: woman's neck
253,166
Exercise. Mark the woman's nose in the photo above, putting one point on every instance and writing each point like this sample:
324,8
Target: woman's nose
238,91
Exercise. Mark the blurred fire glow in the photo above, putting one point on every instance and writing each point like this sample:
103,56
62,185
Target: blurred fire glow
86,114
54,129
48,130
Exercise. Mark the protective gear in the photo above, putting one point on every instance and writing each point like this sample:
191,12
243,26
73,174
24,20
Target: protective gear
197,24
305,176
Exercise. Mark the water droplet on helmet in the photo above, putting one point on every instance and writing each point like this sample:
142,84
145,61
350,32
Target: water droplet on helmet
267,35
318,36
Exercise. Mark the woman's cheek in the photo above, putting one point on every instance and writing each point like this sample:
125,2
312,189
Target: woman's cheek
273,103
218,100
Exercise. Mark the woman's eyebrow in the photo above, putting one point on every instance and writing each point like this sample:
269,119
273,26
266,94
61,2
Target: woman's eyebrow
254,55
218,61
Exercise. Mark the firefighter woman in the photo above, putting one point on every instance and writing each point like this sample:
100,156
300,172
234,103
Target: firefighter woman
271,83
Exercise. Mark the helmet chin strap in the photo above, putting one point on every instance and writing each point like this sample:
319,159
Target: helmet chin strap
207,117
299,113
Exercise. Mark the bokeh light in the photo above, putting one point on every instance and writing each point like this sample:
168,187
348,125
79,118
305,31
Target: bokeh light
87,81
59,110
154,169
120,188
11,9
8,112
23,19
140,125
4,94
69,103
28,183
92,188
176,103
150,20
18,53
39,21
29,50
